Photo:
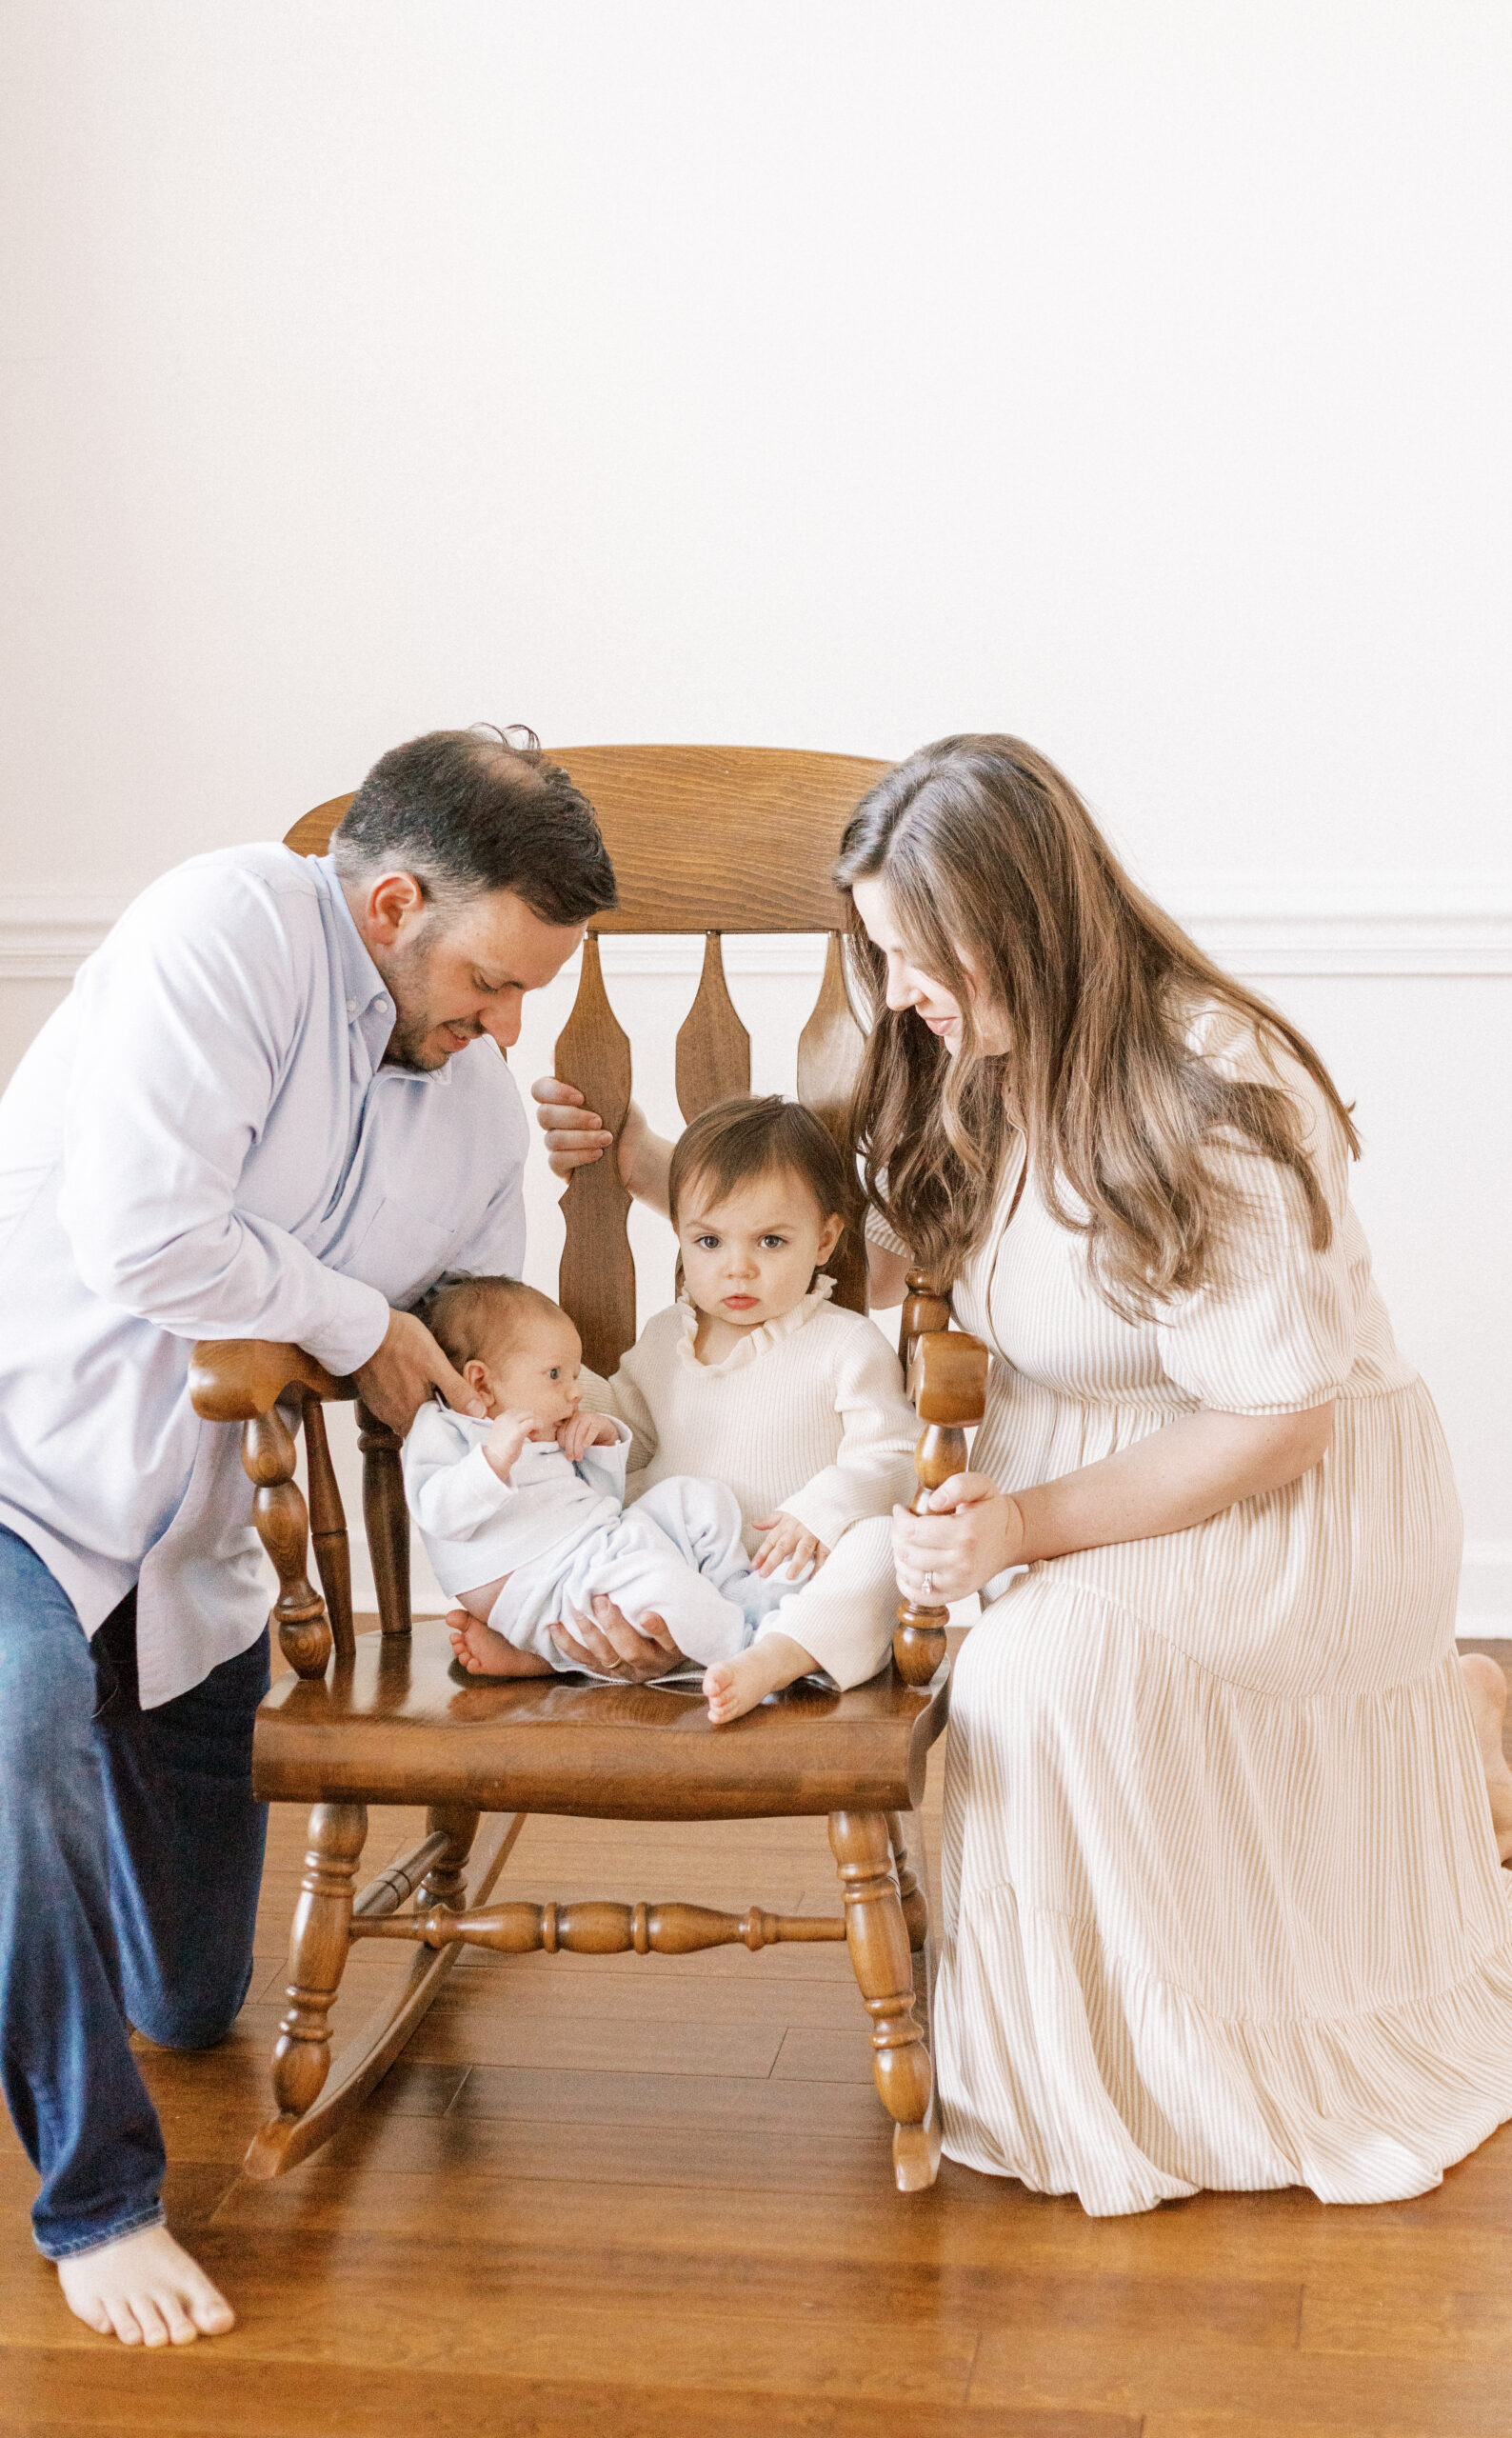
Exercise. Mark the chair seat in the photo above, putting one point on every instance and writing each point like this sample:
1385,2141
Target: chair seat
396,1725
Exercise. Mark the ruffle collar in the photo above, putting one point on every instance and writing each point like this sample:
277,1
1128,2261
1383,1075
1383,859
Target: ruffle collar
754,1344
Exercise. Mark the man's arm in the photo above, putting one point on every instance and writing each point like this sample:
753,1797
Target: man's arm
190,1017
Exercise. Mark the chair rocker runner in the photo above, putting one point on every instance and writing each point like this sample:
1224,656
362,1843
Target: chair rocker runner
381,1718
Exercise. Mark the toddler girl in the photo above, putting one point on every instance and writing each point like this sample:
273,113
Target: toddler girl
753,1376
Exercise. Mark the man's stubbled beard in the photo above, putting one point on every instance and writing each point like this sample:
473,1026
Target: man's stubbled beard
408,981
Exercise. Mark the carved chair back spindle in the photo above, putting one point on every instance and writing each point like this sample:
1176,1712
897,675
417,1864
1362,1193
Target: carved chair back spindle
740,842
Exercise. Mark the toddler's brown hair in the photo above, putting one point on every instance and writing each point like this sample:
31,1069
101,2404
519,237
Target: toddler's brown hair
751,1136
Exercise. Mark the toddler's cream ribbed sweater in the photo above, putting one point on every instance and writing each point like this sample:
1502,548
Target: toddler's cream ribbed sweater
807,1415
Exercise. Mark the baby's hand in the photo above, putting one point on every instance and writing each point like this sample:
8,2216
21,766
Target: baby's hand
583,1431
787,1543
507,1441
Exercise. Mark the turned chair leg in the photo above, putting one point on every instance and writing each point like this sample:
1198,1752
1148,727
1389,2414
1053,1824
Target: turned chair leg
318,1948
881,1957
446,1882
911,1887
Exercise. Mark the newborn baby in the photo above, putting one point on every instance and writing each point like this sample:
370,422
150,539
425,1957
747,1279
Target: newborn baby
523,1514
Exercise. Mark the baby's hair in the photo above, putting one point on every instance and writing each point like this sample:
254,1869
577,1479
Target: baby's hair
462,1314
750,1137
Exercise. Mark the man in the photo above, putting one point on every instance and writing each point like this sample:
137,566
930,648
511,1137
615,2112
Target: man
272,1105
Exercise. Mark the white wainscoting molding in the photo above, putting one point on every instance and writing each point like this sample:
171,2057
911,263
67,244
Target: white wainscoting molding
1420,925
46,936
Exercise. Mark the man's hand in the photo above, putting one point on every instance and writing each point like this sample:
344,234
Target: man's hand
583,1431
576,1136
973,1530
609,1642
507,1440
787,1543
394,1383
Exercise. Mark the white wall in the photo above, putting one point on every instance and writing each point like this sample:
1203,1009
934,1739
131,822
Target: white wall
1130,375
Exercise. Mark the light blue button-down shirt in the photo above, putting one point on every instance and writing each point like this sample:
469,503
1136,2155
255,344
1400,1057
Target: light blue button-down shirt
202,1142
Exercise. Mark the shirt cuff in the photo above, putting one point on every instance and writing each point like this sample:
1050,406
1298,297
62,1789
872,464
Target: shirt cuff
356,1328
827,1518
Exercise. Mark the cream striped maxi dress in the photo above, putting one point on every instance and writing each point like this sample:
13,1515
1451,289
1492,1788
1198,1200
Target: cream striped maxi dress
1222,1900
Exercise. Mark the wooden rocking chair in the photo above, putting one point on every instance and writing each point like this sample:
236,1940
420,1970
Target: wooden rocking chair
701,840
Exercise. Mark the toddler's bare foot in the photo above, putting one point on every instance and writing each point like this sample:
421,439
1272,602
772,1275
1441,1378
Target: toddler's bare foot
482,1652
1486,1685
145,2290
735,1686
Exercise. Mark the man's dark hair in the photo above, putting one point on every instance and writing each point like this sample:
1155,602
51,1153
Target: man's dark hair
466,810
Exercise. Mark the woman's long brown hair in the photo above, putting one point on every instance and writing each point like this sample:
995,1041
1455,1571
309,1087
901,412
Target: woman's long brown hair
984,848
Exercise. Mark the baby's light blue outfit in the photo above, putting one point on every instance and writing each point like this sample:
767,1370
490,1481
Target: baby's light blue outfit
560,1532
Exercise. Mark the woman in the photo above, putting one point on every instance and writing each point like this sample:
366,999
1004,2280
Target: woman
1223,1904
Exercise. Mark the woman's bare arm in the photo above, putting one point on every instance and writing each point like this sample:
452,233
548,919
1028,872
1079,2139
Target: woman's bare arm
1180,1476
887,1277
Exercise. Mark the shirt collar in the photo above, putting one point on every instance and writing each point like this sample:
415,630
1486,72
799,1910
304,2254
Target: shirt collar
369,1009
756,1340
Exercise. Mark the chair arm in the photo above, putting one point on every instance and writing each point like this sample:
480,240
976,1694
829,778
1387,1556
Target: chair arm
237,1379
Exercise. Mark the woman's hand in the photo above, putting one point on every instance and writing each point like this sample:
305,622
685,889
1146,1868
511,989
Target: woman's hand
576,1136
787,1543
971,1532
609,1642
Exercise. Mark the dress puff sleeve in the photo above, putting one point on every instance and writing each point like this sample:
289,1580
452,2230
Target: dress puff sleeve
876,1231
1274,1330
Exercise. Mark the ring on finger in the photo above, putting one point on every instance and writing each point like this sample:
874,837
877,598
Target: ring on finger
928,1586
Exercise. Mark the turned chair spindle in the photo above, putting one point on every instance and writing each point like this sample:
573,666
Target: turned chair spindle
947,1381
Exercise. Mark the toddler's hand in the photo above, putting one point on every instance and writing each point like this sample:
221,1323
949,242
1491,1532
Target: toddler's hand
507,1441
787,1543
583,1431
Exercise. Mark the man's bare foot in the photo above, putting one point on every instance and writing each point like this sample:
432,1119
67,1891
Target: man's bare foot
1486,1685
482,1652
735,1686
145,2290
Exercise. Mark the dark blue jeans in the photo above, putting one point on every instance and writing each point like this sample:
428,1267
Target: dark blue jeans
131,1853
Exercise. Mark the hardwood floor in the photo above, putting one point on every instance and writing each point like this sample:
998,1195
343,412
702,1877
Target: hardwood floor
636,2196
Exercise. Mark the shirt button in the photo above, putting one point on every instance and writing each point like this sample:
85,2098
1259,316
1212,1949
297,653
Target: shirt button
351,1007
381,1004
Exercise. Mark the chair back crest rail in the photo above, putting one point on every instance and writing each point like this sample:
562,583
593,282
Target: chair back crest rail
703,839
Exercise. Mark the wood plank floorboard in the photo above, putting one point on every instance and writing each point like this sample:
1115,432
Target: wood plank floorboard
624,2197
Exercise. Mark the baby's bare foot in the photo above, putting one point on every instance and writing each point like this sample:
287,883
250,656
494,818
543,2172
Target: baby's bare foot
733,1686
145,2290
482,1652
1486,1685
